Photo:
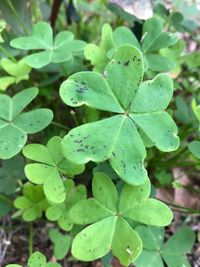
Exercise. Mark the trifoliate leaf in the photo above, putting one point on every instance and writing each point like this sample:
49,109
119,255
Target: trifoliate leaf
56,51
175,249
52,165
32,203
60,212
109,224
137,104
173,252
15,125
61,243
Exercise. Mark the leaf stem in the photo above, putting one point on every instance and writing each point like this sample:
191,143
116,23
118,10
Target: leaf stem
60,125
189,210
20,21
30,238
74,117
7,53
6,199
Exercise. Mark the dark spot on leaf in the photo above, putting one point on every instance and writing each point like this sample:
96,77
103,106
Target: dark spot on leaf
78,141
126,63
80,150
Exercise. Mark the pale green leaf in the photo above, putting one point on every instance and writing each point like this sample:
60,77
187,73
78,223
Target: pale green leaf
153,95
37,258
87,248
85,88
119,74
104,191
89,211
151,212
14,125
91,143
58,51
160,128
126,244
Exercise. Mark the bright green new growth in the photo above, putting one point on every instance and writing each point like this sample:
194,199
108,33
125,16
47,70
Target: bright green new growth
2,27
11,172
56,51
37,259
32,203
18,71
51,165
15,125
173,252
154,39
137,104
61,243
108,213
60,213
196,110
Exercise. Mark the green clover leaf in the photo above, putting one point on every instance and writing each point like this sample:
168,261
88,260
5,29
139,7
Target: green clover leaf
11,172
15,124
61,243
60,213
18,71
137,104
50,167
194,148
56,51
37,259
173,252
154,39
32,203
108,213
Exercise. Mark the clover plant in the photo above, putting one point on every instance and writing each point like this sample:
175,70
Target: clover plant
173,252
61,243
135,104
50,167
37,259
32,203
108,212
56,51
15,125
60,212
90,186
153,39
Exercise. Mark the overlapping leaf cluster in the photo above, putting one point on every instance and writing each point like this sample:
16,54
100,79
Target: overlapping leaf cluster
137,106
173,252
108,212
32,203
51,165
153,39
60,212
